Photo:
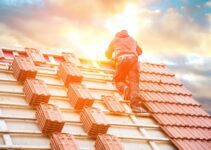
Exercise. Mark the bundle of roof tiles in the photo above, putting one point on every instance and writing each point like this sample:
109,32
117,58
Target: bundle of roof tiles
49,118
108,142
79,96
35,55
94,121
36,92
69,73
63,141
23,68
71,58
113,104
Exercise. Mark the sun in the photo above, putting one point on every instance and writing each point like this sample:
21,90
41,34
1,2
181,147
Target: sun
127,19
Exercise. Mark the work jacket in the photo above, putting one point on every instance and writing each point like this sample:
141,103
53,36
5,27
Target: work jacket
123,44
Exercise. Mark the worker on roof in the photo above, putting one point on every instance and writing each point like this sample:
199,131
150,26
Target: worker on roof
125,51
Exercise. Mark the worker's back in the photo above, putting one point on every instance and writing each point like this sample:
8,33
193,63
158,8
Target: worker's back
124,44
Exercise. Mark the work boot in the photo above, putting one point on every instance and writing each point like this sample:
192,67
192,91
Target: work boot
121,86
137,106
138,109
126,93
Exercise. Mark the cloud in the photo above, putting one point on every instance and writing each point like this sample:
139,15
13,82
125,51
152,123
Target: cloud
91,24
195,73
172,33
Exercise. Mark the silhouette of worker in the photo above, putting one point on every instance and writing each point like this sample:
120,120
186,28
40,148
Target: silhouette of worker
125,51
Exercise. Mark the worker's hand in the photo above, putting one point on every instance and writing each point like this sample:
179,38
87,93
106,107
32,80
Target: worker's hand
113,63
113,56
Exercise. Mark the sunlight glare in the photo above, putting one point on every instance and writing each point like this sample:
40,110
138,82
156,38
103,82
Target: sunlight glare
126,20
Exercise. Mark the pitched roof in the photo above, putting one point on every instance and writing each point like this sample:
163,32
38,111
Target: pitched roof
178,114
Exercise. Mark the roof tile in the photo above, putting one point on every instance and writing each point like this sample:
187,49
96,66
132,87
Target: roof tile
188,133
192,144
94,121
155,69
35,55
79,96
156,107
158,78
71,58
108,142
113,104
23,68
36,92
182,120
153,87
69,73
63,141
49,118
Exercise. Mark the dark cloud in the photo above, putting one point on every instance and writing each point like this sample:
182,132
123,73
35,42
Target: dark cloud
206,103
198,77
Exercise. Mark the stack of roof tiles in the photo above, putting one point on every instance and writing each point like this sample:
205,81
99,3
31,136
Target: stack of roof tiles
172,105
69,73
49,118
79,96
113,104
35,55
36,92
108,142
23,68
71,58
63,141
94,121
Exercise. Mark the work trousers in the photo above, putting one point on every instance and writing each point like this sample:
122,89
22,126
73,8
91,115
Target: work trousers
127,75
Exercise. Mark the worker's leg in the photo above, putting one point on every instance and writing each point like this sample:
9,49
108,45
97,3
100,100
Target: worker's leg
122,68
133,78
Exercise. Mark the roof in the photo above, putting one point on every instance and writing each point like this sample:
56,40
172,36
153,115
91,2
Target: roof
174,119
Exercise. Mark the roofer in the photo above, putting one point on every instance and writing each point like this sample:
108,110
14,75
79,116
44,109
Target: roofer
125,51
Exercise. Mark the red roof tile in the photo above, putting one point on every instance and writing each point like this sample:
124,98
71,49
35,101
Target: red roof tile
79,96
23,68
63,141
35,55
69,73
182,120
108,142
192,144
113,104
36,92
153,87
157,78
71,58
188,132
168,98
175,109
164,88
94,121
49,118
155,69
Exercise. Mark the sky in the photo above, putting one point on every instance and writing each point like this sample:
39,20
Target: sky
174,32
